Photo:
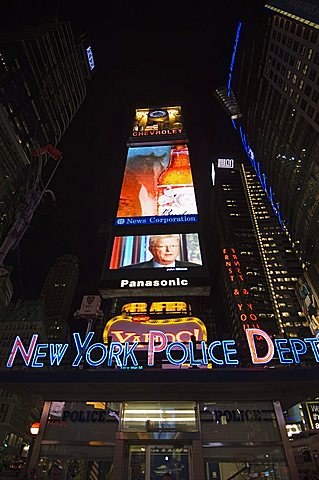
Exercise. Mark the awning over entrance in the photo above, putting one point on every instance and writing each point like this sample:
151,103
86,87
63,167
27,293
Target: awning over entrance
288,385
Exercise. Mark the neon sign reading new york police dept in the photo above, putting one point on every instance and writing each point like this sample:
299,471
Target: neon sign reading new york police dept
218,352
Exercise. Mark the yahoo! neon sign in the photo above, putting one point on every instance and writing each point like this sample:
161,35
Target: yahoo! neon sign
39,355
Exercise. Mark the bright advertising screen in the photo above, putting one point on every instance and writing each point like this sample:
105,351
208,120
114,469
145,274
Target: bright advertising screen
169,251
157,122
157,187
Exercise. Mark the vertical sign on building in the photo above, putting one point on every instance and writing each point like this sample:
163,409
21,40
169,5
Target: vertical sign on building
156,238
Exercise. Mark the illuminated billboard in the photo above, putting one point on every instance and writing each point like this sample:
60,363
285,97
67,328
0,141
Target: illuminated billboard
169,251
136,327
308,303
157,125
313,414
157,187
171,262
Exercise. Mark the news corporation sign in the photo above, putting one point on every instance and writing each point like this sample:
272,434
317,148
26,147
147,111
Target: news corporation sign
218,352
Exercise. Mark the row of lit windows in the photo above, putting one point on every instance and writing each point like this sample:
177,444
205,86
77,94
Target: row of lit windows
284,279
292,45
295,324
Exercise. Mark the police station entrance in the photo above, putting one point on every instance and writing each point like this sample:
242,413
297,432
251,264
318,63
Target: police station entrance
155,462
158,439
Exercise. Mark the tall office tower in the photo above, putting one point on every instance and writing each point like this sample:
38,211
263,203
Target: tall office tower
272,97
57,293
17,414
42,87
259,268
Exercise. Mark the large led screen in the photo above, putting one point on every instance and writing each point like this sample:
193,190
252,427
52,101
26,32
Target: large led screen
170,251
157,122
157,187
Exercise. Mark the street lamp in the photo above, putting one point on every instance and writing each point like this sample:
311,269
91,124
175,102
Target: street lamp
35,427
34,430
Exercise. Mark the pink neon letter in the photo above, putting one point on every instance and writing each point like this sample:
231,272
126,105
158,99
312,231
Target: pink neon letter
155,336
26,355
250,332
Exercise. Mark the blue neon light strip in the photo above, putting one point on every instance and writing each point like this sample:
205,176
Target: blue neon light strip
90,58
233,59
262,176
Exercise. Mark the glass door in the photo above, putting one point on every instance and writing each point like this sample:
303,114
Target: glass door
153,462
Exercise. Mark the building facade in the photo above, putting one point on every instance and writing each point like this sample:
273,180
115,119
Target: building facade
17,413
259,269
42,87
57,294
273,83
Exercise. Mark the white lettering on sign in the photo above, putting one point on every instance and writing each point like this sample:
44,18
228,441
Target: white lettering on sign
172,282
225,163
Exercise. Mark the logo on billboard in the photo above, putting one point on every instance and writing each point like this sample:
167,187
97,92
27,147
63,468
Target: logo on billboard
157,121
128,329
225,163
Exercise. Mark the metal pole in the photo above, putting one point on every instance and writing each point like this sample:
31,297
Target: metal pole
285,441
36,447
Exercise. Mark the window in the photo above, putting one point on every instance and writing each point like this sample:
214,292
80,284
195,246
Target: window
309,53
303,104
310,111
302,49
316,59
307,90
312,75
305,69
305,35
315,96
314,36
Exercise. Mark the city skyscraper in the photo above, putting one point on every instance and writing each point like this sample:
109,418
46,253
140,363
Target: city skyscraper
57,294
258,268
17,413
272,99
42,86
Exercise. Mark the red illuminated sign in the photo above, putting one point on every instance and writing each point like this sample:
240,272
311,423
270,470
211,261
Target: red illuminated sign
240,292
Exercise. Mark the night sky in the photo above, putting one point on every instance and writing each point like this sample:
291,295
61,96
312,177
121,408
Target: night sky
146,54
